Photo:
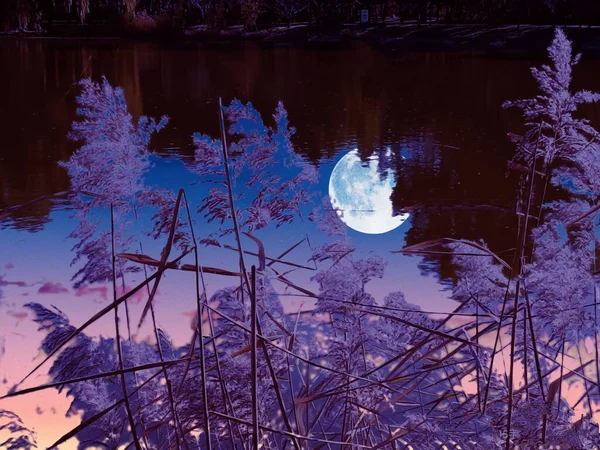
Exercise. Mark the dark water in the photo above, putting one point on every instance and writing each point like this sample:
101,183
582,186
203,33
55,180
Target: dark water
442,111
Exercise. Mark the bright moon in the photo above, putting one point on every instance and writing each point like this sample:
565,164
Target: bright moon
361,198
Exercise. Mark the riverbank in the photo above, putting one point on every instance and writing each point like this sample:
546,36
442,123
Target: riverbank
513,39
390,37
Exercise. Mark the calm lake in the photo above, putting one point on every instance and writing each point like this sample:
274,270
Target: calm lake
442,109
440,112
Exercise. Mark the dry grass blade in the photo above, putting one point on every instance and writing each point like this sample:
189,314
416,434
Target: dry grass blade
308,293
243,267
276,323
199,311
149,261
583,216
261,252
248,348
343,389
285,253
229,409
521,168
572,372
278,394
418,327
522,242
254,361
397,435
398,398
538,368
288,433
118,335
553,389
267,258
578,423
178,428
210,270
95,377
163,257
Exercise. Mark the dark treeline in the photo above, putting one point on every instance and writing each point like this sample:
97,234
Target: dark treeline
148,15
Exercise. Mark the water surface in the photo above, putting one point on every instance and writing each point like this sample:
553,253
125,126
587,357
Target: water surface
442,112
439,114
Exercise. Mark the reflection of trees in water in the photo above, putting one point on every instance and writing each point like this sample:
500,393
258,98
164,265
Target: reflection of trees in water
39,94
497,228
449,197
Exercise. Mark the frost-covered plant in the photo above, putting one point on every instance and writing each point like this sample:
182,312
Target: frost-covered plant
344,299
149,394
480,279
536,421
14,435
563,257
84,357
269,180
107,171
87,356
259,176
113,157
551,283
234,352
561,276
398,337
553,129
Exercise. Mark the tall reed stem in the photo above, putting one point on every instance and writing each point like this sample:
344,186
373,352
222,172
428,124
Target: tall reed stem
117,333
245,273
253,362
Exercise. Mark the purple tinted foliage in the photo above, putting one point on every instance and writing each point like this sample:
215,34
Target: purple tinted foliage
54,322
234,352
563,255
398,336
257,153
14,435
327,220
562,286
379,372
86,356
94,247
480,279
162,202
556,264
344,299
113,156
549,116
108,170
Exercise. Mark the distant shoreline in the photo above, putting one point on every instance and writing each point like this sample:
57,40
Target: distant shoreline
393,38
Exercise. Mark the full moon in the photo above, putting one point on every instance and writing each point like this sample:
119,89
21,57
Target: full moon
360,198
